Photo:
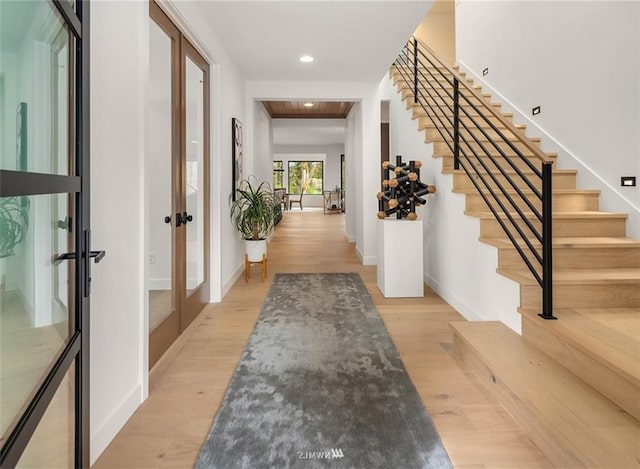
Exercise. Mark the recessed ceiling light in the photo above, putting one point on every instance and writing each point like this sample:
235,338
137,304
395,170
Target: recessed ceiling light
306,59
308,104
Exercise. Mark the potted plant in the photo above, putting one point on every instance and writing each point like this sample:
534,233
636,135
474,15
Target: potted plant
253,214
14,224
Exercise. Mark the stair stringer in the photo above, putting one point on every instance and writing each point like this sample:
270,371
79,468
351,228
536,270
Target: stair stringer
458,267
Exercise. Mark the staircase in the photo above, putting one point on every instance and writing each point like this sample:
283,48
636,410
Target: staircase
572,383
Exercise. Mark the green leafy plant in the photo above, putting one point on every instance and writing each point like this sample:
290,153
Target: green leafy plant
253,213
14,223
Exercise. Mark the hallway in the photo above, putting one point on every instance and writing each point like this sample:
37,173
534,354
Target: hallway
187,385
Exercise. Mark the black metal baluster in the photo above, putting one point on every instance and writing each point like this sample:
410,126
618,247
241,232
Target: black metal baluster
456,125
547,243
415,70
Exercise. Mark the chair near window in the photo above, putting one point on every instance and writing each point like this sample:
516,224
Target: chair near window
296,201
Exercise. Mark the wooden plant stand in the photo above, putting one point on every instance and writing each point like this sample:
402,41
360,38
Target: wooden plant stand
247,267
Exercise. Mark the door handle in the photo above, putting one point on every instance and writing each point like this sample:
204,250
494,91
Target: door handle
65,224
97,256
179,219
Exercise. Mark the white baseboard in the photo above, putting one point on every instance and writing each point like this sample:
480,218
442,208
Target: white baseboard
369,260
159,284
27,306
229,283
359,254
365,260
107,430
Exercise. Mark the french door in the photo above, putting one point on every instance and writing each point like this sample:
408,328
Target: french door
177,181
45,243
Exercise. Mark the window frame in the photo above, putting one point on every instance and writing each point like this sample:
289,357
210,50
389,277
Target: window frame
278,171
293,162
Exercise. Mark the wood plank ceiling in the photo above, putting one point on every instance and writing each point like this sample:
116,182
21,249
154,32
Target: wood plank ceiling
297,109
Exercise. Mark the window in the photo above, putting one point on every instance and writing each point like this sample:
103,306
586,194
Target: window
278,174
307,175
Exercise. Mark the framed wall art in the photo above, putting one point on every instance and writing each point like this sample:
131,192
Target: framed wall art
21,137
237,164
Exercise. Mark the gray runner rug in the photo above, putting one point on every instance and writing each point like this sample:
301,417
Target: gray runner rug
320,384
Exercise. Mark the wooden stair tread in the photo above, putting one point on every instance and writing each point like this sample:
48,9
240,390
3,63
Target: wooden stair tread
553,405
578,243
405,86
610,336
557,215
442,154
530,192
577,276
464,104
408,92
428,124
511,172
525,170
511,138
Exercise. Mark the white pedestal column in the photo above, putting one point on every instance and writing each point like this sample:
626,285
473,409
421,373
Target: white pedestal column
400,265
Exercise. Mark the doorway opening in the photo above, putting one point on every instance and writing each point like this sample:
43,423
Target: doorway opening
308,155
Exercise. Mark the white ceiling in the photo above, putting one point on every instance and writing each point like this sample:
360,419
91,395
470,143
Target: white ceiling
350,40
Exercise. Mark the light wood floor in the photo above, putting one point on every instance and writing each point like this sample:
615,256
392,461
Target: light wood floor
169,428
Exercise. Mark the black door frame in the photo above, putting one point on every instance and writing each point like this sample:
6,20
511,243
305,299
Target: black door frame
23,183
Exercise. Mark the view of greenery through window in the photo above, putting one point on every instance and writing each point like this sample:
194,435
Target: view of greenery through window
307,175
278,174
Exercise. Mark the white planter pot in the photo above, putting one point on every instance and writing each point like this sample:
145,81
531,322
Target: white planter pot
256,249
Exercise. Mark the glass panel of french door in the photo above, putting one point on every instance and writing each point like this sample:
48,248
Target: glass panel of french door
194,173
52,442
196,189
162,181
34,44
34,325
43,334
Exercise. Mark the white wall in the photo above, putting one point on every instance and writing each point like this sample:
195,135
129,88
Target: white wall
119,71
262,143
118,336
351,148
457,266
579,61
364,140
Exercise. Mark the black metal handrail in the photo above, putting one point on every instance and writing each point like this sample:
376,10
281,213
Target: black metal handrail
493,153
